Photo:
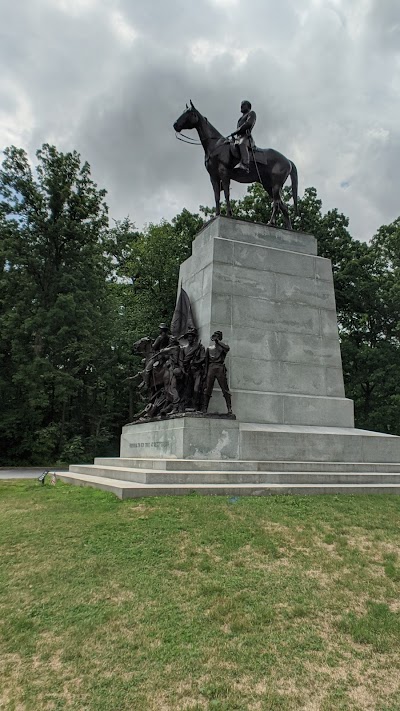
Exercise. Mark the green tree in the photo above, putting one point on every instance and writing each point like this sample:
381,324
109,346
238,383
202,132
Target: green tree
152,270
56,321
371,345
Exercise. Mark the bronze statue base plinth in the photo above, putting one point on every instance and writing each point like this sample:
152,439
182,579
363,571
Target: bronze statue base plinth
180,415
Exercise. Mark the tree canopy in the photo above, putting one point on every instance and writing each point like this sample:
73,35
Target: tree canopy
56,320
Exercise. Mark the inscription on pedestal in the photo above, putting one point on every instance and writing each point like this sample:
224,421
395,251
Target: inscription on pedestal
147,444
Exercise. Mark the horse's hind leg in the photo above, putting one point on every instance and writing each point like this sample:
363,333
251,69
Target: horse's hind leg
285,213
275,209
279,206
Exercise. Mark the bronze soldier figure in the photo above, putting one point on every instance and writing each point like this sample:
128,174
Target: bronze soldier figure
242,135
172,373
193,359
162,339
216,370
160,342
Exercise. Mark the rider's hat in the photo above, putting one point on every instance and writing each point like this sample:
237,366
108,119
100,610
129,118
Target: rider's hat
163,327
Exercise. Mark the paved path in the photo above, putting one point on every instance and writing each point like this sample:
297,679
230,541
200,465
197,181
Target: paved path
24,472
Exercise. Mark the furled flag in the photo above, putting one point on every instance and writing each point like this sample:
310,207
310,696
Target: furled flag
183,316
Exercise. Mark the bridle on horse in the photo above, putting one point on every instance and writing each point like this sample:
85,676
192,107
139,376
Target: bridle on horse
187,139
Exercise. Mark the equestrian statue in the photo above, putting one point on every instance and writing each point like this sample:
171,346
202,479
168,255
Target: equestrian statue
236,157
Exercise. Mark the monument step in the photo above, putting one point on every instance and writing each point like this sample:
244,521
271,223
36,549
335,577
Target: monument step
243,465
215,476
125,489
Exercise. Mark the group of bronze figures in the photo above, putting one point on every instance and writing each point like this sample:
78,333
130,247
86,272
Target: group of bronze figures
180,378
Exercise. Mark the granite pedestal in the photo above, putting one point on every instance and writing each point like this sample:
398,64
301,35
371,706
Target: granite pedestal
274,300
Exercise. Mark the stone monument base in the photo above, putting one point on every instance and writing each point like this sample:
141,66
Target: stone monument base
188,437
273,298
223,456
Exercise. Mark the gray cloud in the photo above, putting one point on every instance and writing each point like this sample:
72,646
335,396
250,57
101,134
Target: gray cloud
109,77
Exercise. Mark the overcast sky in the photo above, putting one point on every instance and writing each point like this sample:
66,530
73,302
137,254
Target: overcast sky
109,77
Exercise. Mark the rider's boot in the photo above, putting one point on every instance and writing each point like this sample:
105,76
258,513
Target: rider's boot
244,158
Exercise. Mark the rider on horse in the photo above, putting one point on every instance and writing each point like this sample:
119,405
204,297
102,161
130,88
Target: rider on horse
162,339
242,135
270,168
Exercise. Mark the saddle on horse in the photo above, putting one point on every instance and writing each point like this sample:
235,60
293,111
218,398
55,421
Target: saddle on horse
234,145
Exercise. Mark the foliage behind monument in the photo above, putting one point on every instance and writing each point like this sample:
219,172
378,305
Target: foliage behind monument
56,325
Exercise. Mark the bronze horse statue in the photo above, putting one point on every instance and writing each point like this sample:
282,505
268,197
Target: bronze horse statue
152,366
267,166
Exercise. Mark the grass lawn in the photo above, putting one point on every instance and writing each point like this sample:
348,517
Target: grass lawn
164,604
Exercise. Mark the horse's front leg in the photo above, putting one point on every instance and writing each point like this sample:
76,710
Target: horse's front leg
216,183
225,181
226,187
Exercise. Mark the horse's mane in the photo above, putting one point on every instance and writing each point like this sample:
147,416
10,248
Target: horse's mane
210,125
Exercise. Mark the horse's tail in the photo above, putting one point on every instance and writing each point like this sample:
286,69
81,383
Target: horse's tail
295,184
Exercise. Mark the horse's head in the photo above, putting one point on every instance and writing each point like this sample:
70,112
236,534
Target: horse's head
141,346
189,119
